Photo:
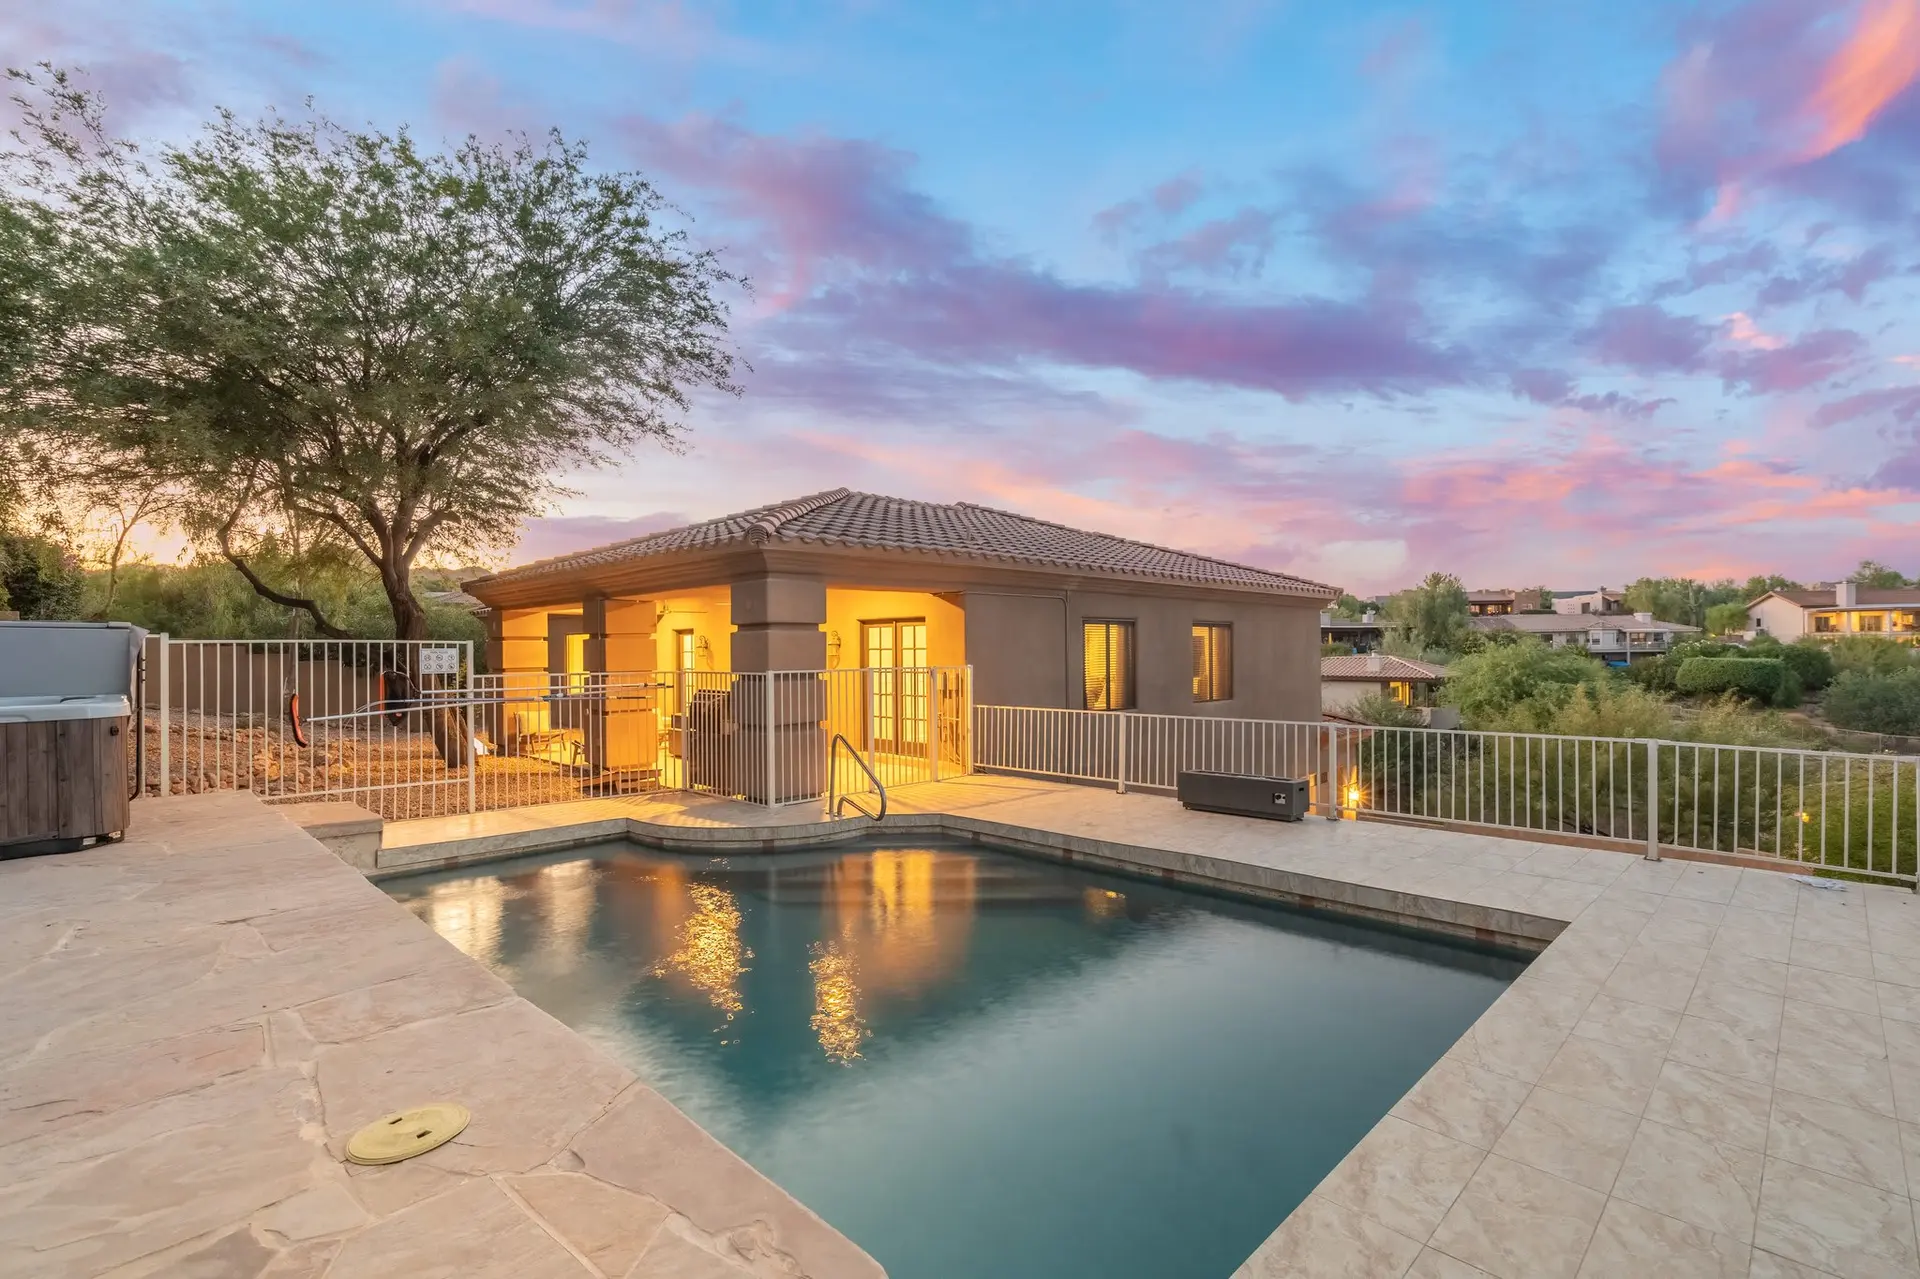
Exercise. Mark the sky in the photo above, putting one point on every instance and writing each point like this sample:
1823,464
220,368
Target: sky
1557,294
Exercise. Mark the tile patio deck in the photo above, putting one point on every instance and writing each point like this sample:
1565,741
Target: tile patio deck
193,1022
1709,1071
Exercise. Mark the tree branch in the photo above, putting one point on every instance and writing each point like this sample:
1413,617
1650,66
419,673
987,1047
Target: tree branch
311,609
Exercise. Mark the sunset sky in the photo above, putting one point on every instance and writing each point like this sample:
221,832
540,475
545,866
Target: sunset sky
1555,293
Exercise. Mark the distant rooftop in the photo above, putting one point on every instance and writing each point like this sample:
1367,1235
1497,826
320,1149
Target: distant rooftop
1361,667
1864,597
841,517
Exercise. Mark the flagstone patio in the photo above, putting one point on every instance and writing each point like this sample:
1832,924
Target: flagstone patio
1708,1071
193,1022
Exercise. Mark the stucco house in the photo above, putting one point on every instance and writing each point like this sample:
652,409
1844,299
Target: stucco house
1602,601
1046,615
1362,635
1617,640
1845,608
1345,680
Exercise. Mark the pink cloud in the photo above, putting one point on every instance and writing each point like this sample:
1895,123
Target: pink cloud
1649,339
551,535
864,263
824,202
1767,93
1902,403
1793,366
1165,199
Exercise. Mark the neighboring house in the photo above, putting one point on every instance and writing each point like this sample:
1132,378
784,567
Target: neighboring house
1845,608
1363,636
1345,680
1614,640
1603,602
1045,614
1501,603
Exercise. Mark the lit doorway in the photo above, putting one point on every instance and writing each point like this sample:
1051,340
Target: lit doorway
895,654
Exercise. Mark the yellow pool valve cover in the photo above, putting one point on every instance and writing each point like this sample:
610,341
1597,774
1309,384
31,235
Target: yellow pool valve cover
408,1133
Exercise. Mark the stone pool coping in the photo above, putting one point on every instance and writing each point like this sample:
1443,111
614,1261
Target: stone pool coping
1709,1070
193,1021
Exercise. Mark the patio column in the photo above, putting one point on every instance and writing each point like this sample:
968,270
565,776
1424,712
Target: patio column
777,623
620,728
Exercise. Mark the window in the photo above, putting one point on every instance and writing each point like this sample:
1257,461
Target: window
1906,620
1825,623
1869,621
1401,692
1586,606
1212,662
685,651
1109,665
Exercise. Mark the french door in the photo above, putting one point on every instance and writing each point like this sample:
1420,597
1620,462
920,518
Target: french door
898,699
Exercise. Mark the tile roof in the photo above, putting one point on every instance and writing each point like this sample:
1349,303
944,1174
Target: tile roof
840,517
1355,666
1864,597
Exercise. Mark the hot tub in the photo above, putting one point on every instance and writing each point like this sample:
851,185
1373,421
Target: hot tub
63,772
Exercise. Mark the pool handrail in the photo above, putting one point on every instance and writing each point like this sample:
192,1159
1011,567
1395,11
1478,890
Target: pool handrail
837,802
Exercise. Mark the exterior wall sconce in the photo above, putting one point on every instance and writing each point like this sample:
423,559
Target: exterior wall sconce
833,650
703,651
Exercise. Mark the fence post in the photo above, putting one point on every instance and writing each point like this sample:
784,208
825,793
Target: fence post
1653,800
1120,765
166,716
473,739
1329,753
773,745
935,706
968,728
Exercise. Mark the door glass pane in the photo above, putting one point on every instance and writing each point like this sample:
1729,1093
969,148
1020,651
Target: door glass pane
915,699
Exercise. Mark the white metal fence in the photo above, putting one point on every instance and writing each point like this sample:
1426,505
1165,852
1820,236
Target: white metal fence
1850,813
409,730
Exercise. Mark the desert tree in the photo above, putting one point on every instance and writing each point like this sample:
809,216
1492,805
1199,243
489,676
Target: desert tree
291,324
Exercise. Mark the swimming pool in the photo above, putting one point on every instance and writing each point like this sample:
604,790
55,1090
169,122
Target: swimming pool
975,1064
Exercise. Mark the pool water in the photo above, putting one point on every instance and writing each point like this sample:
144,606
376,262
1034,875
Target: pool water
980,1066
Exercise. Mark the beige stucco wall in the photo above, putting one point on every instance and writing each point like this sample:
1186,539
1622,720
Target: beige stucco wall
1344,694
709,615
847,608
1026,651
1782,619
1019,648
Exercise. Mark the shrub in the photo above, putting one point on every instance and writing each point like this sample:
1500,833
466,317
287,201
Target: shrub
1729,721
1654,674
1809,660
1869,702
1381,710
1513,684
1758,679
38,579
1612,709
1871,654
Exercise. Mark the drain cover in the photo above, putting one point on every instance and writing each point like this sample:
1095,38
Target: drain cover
407,1133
